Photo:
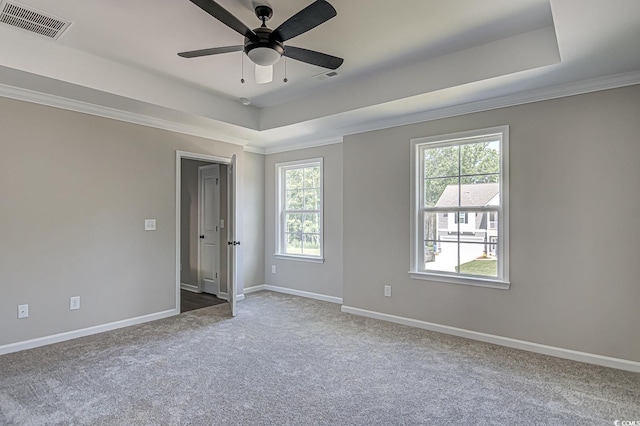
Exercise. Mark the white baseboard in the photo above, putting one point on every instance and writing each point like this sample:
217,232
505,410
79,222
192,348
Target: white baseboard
225,296
605,361
190,287
254,289
61,337
293,292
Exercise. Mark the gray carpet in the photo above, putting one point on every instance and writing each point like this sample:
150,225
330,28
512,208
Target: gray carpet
285,360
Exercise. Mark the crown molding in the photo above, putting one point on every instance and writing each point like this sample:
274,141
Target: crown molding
538,95
254,149
294,146
531,96
46,99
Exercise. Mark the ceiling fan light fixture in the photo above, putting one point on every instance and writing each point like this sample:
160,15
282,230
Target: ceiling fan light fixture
264,56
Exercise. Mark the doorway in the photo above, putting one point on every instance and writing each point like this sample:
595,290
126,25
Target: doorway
206,229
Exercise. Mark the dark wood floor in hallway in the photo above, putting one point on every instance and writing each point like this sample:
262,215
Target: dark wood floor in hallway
190,301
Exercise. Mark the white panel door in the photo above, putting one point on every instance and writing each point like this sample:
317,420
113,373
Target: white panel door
209,229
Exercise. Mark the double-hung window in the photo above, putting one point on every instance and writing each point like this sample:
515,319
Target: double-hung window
299,210
459,224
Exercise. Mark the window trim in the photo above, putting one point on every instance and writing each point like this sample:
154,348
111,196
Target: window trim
417,171
280,169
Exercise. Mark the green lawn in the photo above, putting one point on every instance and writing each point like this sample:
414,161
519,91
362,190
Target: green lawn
487,267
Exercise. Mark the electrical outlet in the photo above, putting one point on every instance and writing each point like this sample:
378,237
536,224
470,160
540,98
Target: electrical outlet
74,303
273,269
23,311
387,291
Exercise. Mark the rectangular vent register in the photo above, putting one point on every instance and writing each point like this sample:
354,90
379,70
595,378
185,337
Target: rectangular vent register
32,20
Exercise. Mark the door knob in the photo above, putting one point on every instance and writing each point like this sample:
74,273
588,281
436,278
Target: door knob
202,237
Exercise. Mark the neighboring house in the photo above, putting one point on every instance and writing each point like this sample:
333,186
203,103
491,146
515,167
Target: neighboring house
472,226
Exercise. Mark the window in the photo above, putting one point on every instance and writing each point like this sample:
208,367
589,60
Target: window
299,210
460,208
462,217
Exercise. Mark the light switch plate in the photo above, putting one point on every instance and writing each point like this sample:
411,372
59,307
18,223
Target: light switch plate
149,224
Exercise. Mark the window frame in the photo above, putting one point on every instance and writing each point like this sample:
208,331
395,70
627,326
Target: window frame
281,211
418,146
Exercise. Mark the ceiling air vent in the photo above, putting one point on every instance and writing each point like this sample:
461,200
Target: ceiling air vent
32,20
325,75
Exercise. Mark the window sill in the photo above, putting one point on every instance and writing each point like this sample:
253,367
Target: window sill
299,258
476,282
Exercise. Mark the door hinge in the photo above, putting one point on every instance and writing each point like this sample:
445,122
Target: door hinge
216,181
216,275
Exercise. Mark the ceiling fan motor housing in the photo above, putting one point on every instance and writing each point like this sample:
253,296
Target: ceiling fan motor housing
263,50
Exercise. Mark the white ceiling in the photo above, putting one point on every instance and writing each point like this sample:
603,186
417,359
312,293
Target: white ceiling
404,60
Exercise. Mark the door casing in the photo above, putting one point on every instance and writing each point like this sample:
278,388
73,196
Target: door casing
231,225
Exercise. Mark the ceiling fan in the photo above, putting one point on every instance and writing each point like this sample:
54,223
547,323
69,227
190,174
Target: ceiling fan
265,46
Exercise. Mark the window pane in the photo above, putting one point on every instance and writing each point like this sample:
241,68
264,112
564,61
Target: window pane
293,179
480,158
492,223
440,256
441,162
294,243
476,260
476,193
441,192
312,177
431,221
312,199
441,225
311,244
293,223
295,200
310,224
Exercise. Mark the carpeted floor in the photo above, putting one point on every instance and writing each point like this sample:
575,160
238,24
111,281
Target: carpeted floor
285,360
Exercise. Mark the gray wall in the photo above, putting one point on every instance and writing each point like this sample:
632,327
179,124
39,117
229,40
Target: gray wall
325,278
574,165
252,218
74,192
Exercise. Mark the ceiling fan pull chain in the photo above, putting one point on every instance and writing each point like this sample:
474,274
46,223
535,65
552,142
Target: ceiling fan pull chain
242,69
285,70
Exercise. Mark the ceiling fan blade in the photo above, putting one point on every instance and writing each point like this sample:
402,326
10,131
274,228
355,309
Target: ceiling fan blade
308,18
224,16
313,57
264,75
211,51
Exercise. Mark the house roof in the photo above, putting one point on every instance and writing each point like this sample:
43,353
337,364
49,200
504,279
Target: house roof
479,194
